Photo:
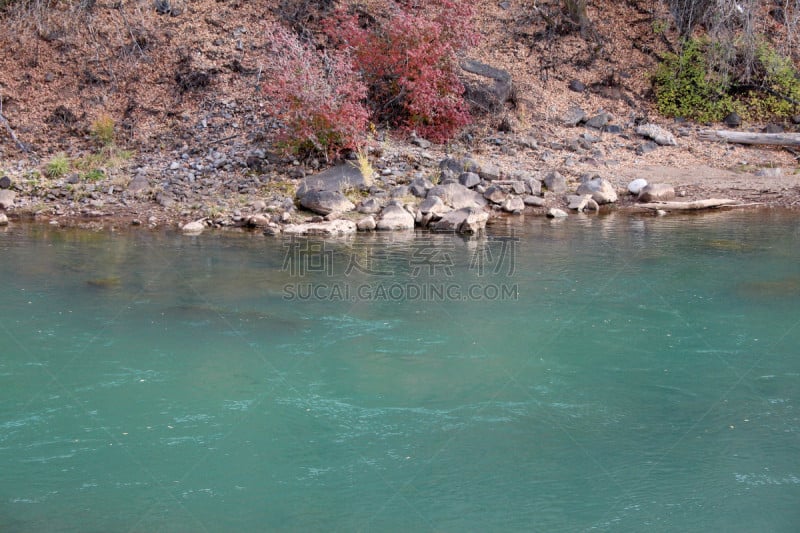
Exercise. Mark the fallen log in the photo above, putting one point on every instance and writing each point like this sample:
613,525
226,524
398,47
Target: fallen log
744,137
695,205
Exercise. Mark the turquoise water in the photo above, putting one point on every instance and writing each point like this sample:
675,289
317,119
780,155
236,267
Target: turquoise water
614,374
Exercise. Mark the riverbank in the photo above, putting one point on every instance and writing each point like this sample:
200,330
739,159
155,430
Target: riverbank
233,184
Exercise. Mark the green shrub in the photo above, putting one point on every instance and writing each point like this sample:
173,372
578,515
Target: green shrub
58,166
684,87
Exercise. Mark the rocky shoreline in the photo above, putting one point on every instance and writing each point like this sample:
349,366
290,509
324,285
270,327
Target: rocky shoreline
395,185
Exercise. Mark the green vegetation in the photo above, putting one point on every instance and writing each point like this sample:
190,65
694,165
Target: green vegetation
58,166
686,86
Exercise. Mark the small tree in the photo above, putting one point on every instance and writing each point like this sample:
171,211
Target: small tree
409,60
317,96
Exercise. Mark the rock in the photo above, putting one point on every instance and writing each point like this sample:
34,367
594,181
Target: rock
366,224
658,134
330,227
419,141
433,204
258,221
7,198
733,120
394,217
581,202
636,186
600,190
419,187
533,186
335,179
259,206
324,202
194,228
370,206
770,128
481,96
467,220
555,182
573,116
577,86
646,147
174,165
490,172
3,219
400,191
513,204
5,182
535,201
657,192
599,121
138,183
457,166
165,200
469,179
495,194
457,196
555,212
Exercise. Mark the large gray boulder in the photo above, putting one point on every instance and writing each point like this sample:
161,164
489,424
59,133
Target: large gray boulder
338,178
326,202
467,220
395,217
555,182
457,196
599,189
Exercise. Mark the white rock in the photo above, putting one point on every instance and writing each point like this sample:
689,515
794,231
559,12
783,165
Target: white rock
555,212
636,186
3,219
332,227
194,228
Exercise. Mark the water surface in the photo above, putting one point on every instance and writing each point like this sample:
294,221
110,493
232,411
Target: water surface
602,373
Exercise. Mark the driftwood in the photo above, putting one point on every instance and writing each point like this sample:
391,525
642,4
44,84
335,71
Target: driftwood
695,205
744,137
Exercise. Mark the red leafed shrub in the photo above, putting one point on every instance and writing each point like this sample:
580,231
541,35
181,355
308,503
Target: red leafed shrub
317,96
408,57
